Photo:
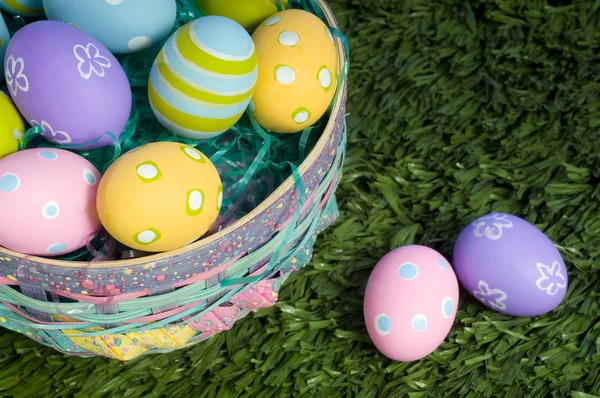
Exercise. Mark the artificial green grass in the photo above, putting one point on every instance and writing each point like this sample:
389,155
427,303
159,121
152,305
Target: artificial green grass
457,108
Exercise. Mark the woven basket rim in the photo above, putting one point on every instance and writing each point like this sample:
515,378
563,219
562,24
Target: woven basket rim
269,201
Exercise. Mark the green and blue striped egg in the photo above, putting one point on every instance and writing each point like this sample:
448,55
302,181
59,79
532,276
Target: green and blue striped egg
203,79
26,8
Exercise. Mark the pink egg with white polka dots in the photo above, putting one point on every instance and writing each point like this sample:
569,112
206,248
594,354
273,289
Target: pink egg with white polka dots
47,201
410,302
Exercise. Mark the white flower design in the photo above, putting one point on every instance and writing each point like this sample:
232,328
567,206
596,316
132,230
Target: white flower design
15,78
552,279
90,60
495,298
59,137
491,226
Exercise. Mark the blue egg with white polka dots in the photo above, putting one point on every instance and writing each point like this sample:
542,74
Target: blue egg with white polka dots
410,302
123,26
4,39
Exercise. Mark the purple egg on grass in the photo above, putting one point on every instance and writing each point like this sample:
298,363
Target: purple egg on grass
67,82
510,265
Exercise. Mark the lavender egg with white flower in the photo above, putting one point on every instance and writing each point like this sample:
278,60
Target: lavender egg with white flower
68,83
510,266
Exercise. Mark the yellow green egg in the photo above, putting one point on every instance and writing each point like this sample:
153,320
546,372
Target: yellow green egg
248,13
26,8
11,126
203,78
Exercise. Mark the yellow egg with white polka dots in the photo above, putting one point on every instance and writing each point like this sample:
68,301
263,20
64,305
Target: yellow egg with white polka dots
159,197
297,71
11,126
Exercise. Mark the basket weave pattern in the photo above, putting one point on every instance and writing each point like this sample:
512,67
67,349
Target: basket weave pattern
127,308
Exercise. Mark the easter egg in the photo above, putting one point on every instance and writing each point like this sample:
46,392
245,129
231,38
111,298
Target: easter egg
510,265
160,197
297,71
4,39
68,83
203,78
11,126
410,302
122,26
26,8
47,201
248,13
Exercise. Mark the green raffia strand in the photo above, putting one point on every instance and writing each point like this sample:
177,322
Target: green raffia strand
459,108
246,157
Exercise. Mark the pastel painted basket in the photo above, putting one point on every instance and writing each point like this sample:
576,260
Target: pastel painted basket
127,308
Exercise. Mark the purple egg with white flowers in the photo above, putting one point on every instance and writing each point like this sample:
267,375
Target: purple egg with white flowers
510,265
68,83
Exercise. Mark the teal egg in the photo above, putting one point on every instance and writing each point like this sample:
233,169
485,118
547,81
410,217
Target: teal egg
123,26
4,39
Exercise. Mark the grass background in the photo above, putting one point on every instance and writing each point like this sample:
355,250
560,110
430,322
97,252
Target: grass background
457,108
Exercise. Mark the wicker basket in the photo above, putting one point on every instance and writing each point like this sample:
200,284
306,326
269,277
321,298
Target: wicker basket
127,308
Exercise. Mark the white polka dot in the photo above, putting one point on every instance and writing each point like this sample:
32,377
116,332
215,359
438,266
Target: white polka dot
288,38
195,200
220,200
139,43
383,324
285,74
193,153
17,135
57,248
273,20
146,236
301,117
114,2
252,106
50,210
325,78
443,264
329,35
88,176
9,182
147,171
419,322
408,271
48,155
447,307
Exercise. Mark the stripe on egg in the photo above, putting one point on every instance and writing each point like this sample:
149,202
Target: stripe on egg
186,120
196,93
232,38
209,80
183,132
191,52
215,53
191,105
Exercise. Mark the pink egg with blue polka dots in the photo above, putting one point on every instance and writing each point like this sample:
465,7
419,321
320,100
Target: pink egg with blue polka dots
410,302
47,201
